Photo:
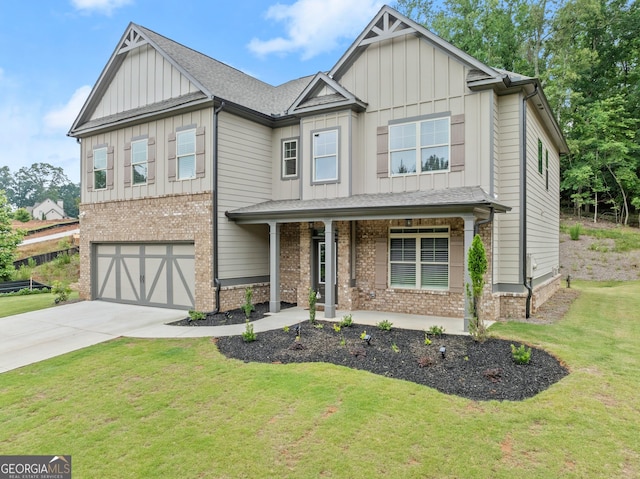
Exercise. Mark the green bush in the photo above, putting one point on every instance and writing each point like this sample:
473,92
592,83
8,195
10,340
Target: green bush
248,335
22,215
435,330
248,306
61,291
347,321
196,315
575,231
521,355
385,325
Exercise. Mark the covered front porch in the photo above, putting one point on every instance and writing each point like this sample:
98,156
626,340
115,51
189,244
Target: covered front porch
348,239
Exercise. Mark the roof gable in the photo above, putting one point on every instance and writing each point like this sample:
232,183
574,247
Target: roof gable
388,24
324,92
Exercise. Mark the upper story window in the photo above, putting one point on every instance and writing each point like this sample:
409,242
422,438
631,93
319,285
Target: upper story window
139,159
419,258
186,154
420,146
325,156
100,168
290,158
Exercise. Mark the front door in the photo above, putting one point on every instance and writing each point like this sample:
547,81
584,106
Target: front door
320,279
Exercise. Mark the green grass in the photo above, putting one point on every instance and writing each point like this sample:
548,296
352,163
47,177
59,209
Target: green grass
10,305
177,408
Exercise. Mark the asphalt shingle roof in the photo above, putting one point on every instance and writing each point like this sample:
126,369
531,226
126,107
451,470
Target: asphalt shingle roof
456,197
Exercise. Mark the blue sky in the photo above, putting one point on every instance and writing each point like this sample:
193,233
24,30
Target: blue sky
52,52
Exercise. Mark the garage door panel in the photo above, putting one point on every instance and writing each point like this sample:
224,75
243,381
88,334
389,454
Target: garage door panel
130,278
156,280
184,271
150,274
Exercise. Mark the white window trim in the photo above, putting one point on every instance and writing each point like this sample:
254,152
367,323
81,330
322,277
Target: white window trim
145,162
417,234
419,147
179,156
106,161
314,157
295,159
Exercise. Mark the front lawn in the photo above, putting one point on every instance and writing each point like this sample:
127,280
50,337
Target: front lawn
10,305
178,408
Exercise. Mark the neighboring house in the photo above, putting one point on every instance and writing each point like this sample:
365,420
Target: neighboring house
48,210
199,180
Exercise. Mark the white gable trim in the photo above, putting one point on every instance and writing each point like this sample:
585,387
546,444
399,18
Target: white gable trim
320,81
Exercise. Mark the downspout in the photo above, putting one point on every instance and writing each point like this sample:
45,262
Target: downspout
529,286
214,213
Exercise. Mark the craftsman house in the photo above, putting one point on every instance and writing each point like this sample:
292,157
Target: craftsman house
366,183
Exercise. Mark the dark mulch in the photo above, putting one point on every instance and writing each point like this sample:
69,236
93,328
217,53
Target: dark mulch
235,316
478,371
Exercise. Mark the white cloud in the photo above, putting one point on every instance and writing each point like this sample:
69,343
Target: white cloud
63,117
316,26
100,6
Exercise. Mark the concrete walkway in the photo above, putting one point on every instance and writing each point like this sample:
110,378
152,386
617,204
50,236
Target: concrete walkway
31,337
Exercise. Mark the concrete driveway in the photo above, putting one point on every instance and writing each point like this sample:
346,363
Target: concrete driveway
31,337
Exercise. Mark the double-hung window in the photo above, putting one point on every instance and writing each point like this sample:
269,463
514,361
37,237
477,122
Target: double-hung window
419,146
419,258
100,168
186,154
139,161
290,158
325,156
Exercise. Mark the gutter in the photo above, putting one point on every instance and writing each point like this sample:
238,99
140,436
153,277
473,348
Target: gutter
214,212
528,286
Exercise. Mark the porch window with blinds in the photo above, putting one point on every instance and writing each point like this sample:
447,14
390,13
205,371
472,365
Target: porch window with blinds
419,258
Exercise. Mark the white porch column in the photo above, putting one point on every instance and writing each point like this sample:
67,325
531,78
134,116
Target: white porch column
469,223
330,270
274,267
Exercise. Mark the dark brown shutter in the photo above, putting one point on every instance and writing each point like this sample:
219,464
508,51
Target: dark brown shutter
127,164
89,176
200,157
110,167
151,161
381,263
456,264
382,156
457,142
171,157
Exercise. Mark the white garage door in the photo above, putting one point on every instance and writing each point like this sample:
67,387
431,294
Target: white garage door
149,274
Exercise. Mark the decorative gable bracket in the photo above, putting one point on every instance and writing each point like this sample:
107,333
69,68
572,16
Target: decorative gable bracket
388,26
133,39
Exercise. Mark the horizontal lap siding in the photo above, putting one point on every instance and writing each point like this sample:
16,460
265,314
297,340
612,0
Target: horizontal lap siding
542,204
245,173
507,226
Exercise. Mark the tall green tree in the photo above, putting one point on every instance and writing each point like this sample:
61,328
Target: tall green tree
37,183
9,240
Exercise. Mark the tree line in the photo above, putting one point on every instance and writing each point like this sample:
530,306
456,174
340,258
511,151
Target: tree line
34,184
586,53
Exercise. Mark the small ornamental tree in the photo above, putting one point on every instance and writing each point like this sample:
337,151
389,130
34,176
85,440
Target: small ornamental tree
313,298
477,264
9,240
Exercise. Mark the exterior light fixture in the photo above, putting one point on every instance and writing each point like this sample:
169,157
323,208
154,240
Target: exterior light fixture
408,222
367,338
443,350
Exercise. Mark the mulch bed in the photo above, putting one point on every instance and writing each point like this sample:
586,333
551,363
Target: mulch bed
478,371
236,316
